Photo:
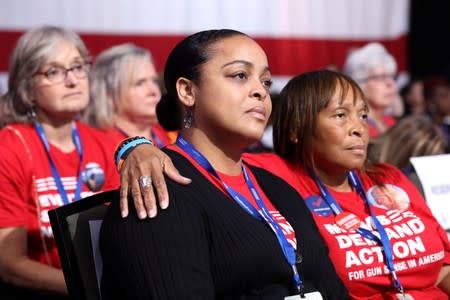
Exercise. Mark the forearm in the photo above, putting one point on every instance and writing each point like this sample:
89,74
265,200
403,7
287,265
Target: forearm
444,279
30,274
19,270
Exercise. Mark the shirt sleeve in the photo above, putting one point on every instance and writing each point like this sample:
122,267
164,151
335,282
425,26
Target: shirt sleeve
15,181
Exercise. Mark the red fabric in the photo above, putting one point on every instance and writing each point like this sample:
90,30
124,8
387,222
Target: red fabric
420,244
373,130
117,135
27,188
239,185
160,137
305,54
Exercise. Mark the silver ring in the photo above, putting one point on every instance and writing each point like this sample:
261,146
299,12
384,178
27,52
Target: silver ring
145,182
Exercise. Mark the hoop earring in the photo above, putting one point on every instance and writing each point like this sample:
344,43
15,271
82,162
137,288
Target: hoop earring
188,118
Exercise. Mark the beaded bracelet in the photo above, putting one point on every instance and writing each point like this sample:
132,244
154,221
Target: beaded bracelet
122,144
125,147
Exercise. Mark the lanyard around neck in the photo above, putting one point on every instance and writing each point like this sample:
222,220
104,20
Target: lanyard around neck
77,141
382,240
263,214
156,139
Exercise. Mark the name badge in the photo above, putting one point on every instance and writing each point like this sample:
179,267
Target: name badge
308,296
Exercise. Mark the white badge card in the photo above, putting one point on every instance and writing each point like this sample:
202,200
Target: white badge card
433,172
308,296
404,297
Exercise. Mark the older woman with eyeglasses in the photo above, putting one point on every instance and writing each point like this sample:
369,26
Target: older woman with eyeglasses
374,69
48,157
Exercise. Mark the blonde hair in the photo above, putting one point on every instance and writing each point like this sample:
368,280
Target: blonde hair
411,136
108,78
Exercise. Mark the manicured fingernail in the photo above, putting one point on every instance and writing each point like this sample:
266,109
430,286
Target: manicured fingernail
164,204
152,213
124,213
142,215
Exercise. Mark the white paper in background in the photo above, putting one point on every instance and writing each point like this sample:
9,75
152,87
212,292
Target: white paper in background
434,175
94,226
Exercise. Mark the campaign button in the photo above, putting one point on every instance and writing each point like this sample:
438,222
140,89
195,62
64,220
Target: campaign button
347,221
318,206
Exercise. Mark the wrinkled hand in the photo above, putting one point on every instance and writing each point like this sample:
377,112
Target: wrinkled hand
147,160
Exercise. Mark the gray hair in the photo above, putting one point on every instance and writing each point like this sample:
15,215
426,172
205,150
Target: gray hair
109,73
360,62
32,52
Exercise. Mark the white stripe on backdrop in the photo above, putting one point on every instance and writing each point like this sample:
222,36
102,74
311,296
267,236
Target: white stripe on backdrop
298,35
329,19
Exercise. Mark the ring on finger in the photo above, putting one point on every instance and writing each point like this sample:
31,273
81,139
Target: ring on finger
145,182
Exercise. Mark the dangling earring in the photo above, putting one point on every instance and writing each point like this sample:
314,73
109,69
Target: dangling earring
31,114
188,118
293,139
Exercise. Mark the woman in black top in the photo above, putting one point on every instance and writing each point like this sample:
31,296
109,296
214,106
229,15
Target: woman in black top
221,237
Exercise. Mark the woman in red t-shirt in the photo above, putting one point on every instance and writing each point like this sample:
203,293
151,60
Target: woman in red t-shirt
48,157
125,91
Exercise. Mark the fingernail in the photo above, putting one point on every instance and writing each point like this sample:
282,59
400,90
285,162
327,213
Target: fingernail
124,213
152,213
142,215
164,204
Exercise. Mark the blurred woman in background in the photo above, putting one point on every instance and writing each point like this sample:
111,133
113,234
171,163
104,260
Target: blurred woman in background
374,69
125,92
411,136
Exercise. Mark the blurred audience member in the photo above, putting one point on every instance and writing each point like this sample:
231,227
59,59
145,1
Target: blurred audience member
413,97
437,99
374,69
124,92
412,136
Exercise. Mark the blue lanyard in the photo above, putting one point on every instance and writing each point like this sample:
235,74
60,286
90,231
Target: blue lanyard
263,214
56,176
383,240
156,139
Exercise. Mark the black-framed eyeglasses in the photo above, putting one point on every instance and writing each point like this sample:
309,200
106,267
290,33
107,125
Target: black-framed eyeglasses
380,77
57,74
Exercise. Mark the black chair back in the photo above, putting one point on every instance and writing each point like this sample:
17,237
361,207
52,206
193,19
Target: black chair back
75,228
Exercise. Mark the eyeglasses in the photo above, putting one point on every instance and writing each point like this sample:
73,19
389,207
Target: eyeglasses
57,74
380,77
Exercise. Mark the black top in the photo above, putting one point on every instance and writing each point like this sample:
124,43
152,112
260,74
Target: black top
205,246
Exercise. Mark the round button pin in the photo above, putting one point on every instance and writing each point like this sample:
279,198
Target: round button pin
347,221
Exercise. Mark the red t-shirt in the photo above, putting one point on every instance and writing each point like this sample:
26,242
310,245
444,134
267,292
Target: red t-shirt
373,130
239,184
27,186
160,137
420,245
